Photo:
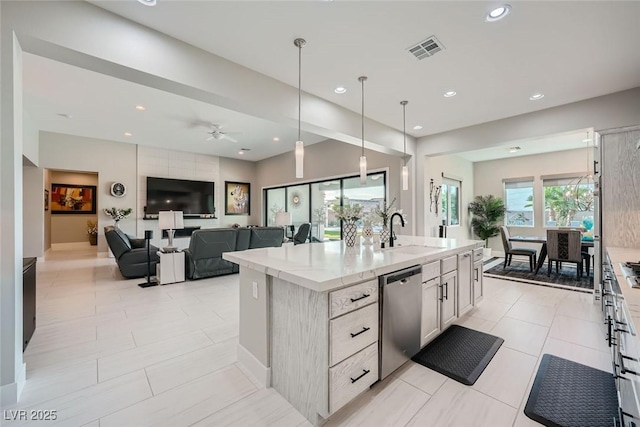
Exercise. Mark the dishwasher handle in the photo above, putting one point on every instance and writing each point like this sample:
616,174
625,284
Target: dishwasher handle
402,276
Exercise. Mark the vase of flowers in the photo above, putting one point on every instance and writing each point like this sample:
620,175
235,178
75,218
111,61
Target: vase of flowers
118,214
349,215
384,212
92,232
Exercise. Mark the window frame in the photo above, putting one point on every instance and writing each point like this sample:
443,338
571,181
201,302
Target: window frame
451,182
523,180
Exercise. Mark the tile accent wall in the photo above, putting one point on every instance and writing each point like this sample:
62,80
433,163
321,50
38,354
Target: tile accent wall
161,163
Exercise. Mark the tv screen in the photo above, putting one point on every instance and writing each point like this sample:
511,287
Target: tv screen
193,198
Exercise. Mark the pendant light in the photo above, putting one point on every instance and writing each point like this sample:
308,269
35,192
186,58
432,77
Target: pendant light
299,151
405,168
363,158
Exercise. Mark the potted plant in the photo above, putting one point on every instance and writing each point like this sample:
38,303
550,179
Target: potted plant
118,214
486,211
92,231
384,212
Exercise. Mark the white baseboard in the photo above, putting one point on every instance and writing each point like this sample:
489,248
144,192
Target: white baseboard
253,365
71,246
10,393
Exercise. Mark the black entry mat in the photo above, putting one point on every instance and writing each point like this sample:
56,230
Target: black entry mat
459,353
568,394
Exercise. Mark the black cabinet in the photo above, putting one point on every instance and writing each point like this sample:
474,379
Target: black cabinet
28,299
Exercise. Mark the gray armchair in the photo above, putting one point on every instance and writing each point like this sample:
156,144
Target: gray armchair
130,253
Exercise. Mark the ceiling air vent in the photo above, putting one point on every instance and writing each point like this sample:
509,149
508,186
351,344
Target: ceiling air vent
426,48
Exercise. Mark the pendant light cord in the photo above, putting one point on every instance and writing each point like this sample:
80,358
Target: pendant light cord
299,87
404,131
362,79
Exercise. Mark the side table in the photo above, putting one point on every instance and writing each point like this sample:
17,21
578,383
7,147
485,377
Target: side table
170,269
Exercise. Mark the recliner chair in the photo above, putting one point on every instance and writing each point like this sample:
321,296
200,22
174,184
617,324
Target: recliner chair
130,253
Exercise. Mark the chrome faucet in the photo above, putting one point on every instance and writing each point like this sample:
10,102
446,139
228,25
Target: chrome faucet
392,236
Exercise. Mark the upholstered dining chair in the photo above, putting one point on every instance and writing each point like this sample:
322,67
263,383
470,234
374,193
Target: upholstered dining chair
510,251
302,234
564,246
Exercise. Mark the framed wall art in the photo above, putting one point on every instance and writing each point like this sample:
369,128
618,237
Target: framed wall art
73,199
237,196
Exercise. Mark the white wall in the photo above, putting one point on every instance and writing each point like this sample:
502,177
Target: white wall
604,112
334,158
455,167
488,180
72,228
30,144
33,215
112,161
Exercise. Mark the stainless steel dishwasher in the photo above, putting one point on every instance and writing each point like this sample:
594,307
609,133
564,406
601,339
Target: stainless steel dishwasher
400,313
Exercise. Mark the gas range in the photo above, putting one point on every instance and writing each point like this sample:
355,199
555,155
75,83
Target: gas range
631,272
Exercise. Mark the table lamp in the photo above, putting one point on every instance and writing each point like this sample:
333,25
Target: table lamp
283,219
170,221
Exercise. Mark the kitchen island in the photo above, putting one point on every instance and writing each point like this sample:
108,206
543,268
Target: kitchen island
309,314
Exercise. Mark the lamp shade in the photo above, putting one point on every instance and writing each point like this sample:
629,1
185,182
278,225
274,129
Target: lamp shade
283,218
170,220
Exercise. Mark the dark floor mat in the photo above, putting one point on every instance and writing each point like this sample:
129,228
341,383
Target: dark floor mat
459,353
569,394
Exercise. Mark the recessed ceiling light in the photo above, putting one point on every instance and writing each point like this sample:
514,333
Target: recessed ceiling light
514,149
340,89
498,13
417,127
450,94
276,139
140,107
536,96
148,2
128,134
241,152
65,115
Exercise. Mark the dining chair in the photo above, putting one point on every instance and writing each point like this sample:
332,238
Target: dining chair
510,251
302,234
564,246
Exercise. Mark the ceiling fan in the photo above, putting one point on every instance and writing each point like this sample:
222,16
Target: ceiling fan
217,133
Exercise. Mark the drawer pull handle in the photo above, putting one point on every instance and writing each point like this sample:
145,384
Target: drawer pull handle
359,298
364,372
364,329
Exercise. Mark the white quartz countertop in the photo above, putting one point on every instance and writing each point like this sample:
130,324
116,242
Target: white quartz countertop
631,295
331,265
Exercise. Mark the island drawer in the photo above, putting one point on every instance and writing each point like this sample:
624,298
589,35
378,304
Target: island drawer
448,264
348,299
352,332
352,376
477,254
430,271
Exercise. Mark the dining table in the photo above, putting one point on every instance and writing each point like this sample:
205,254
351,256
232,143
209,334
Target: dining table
586,243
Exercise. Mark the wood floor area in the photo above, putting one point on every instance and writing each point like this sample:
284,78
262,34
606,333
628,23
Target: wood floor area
108,353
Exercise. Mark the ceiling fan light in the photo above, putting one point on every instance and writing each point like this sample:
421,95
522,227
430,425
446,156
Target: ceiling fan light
299,153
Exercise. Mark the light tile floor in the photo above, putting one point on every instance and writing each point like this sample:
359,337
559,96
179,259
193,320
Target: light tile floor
108,353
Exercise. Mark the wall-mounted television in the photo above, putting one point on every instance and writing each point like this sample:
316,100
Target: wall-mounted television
193,198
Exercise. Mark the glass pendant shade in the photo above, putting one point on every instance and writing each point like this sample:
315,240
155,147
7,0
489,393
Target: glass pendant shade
405,178
299,153
363,170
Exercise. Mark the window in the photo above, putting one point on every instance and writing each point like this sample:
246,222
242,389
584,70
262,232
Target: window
314,202
568,202
518,199
451,201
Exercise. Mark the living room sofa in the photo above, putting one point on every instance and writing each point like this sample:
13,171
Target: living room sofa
130,253
203,258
